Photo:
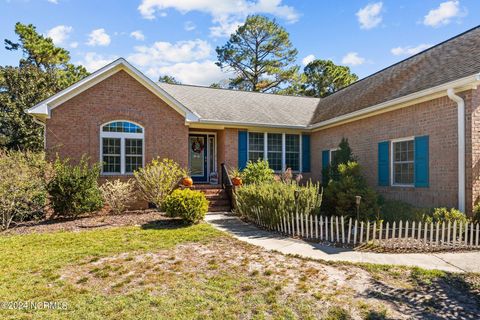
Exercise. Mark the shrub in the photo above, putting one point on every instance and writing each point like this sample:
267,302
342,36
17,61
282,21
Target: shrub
23,181
117,194
339,195
257,172
444,214
187,204
158,179
74,188
277,199
395,210
343,155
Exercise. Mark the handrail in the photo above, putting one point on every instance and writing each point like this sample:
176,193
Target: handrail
227,184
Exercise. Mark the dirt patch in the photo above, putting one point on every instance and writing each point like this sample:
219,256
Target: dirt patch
95,221
397,293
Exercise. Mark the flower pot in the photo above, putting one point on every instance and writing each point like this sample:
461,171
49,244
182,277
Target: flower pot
187,182
237,181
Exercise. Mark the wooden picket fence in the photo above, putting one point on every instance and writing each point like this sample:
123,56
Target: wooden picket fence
337,229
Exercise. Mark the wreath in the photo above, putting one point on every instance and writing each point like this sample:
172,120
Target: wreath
197,146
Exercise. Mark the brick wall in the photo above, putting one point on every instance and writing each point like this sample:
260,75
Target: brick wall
436,118
472,156
74,127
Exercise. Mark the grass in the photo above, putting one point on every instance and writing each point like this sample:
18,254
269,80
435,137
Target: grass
131,272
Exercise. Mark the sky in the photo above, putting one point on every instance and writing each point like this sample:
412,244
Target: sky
179,37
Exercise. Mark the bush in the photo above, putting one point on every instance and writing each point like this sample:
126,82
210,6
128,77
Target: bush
158,179
257,172
187,204
74,188
117,194
277,199
343,155
23,186
447,215
395,210
339,195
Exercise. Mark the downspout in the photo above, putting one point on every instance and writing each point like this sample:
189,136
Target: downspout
461,147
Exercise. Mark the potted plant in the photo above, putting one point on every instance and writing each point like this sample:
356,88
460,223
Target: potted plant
236,177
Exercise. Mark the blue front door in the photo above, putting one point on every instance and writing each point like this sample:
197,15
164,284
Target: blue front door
197,157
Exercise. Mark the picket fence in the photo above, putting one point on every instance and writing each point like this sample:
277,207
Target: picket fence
337,229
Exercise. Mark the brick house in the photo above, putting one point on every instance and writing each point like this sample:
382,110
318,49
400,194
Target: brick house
412,125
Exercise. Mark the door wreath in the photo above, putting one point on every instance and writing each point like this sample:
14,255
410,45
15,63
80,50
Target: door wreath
197,146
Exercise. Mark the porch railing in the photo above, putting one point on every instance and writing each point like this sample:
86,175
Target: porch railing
227,184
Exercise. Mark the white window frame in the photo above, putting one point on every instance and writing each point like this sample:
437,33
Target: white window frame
392,163
122,136
330,155
284,149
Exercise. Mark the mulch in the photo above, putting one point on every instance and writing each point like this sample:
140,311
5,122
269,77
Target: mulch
91,221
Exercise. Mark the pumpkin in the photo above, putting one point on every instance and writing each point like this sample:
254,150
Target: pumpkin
237,181
187,182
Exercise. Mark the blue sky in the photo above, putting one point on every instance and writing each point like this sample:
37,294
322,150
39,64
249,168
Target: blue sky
178,37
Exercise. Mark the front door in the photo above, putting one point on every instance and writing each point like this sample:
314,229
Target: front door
197,157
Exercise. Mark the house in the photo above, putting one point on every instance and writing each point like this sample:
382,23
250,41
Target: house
412,125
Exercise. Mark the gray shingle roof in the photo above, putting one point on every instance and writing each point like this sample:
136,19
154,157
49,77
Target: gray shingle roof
453,59
244,107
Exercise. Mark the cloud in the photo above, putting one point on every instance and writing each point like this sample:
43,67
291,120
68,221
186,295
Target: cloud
138,35
226,14
93,61
162,53
74,44
53,1
443,14
189,26
199,73
409,51
98,37
59,34
353,59
370,16
308,59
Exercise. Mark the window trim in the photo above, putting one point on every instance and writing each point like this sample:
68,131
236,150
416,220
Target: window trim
122,136
330,154
392,162
284,149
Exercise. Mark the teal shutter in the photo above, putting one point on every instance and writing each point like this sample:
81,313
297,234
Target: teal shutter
305,153
421,162
325,164
383,164
242,149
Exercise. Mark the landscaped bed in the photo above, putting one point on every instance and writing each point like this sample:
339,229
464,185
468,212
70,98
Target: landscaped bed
166,269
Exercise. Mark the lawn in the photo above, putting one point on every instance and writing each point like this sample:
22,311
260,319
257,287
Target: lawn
172,271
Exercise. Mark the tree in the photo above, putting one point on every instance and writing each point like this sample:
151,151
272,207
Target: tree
43,70
260,54
168,79
323,77
342,155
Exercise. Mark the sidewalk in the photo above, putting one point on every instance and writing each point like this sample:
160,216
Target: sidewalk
453,262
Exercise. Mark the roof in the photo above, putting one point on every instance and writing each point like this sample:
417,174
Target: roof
453,59
234,106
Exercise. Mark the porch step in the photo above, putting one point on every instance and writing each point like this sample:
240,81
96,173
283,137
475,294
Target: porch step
217,197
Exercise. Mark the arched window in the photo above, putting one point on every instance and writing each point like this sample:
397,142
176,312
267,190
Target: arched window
121,147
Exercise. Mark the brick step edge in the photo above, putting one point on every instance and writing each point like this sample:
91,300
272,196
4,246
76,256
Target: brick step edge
220,209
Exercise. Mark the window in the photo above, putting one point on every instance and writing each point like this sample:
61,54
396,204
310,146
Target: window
256,142
281,150
333,154
274,154
292,151
121,147
403,162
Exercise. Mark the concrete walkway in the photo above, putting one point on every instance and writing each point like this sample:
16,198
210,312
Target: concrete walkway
453,262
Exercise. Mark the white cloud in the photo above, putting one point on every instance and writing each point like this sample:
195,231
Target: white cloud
225,14
162,53
353,59
138,35
199,73
93,61
443,14
74,44
189,26
59,34
98,37
370,16
53,1
409,51
308,59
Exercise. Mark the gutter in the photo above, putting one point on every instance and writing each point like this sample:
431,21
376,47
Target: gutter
461,146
